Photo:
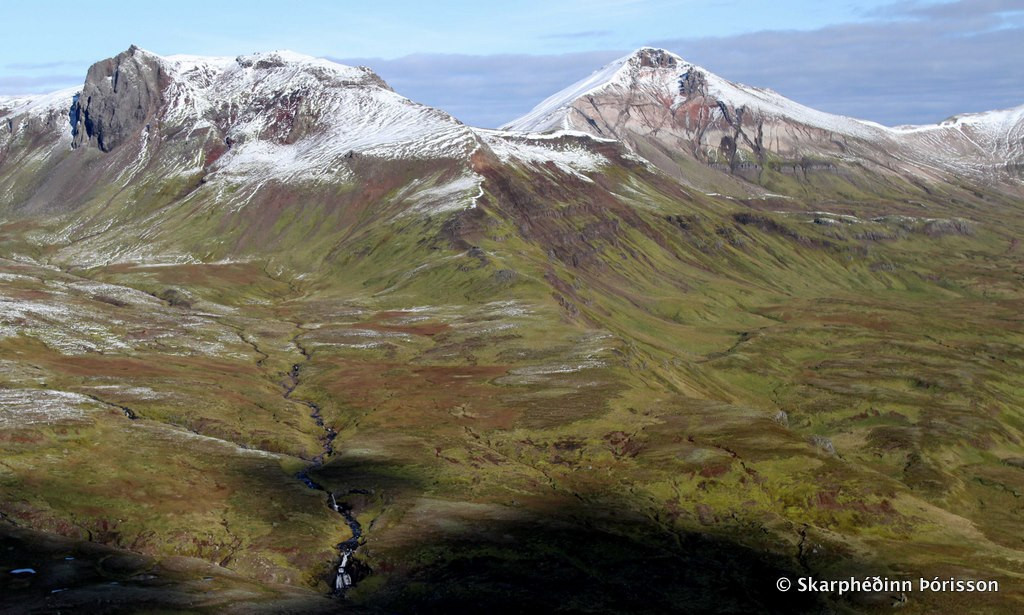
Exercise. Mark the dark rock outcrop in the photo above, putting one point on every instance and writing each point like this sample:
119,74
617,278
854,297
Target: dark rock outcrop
656,58
120,96
692,83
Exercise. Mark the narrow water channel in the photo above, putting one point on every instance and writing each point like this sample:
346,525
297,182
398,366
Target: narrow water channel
343,575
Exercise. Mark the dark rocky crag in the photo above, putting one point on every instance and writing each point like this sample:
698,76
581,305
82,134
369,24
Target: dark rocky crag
119,99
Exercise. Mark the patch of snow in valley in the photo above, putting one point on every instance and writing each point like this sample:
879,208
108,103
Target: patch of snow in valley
589,351
362,333
42,406
558,368
137,392
70,320
508,308
418,309
24,259
15,277
488,327
114,291
495,317
848,218
183,437
67,328
109,252
353,345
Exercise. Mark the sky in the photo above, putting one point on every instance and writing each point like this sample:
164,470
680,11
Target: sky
894,62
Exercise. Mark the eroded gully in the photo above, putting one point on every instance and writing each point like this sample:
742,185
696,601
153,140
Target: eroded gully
343,575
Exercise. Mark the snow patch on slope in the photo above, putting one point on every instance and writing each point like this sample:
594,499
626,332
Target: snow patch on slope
994,135
51,110
40,105
552,113
569,155
454,195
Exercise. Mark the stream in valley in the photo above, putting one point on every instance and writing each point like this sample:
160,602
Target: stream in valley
343,575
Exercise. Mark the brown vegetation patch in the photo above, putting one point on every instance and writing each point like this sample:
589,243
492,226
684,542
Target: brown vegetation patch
418,398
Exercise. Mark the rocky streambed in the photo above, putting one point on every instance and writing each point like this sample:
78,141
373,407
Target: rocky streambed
343,577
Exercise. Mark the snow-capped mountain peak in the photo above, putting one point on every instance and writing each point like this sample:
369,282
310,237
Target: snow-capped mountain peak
274,115
668,78
283,116
553,112
668,109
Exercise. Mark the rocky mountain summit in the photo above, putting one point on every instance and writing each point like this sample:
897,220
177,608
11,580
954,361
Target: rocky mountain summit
278,113
119,96
673,112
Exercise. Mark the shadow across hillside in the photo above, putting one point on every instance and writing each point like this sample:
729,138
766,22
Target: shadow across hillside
586,554
577,561
45,573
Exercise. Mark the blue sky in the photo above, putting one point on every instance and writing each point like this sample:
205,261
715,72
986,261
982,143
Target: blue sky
890,61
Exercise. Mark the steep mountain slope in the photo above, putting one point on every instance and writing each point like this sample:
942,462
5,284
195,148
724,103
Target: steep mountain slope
673,112
266,314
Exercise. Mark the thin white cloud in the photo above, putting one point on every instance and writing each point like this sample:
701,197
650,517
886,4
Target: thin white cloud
37,84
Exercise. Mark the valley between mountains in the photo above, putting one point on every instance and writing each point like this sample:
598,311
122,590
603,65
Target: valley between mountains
275,338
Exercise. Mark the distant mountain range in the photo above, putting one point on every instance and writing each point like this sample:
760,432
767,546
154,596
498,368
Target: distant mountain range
287,117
